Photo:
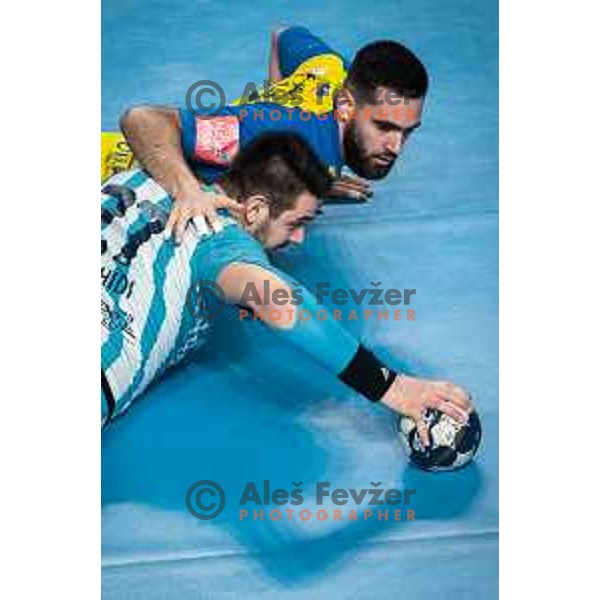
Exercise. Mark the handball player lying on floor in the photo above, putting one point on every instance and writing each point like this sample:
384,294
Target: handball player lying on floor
147,324
361,123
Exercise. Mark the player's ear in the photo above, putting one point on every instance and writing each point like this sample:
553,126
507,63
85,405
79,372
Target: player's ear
345,105
256,210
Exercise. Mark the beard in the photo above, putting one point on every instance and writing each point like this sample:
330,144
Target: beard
357,157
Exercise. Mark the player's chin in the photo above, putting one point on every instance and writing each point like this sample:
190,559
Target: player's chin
375,169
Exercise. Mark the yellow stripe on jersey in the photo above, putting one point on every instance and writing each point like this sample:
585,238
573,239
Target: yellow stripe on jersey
310,87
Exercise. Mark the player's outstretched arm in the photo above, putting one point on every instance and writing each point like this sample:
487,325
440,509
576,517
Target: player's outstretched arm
330,344
154,135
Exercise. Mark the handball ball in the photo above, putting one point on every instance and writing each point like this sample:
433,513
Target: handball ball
452,445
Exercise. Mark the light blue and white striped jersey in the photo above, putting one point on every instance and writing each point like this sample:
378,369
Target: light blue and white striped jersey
147,322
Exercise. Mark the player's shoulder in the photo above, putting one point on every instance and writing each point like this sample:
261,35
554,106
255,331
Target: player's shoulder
228,235
229,242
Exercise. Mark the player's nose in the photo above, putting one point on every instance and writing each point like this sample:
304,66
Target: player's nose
394,143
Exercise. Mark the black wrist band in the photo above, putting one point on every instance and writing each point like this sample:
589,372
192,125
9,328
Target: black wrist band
368,375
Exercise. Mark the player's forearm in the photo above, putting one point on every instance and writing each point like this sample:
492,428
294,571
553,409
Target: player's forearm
302,322
154,135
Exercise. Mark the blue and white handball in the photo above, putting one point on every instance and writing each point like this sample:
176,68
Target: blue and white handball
452,444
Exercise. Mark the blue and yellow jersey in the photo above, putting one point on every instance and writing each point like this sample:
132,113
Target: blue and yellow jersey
148,322
209,144
301,102
312,72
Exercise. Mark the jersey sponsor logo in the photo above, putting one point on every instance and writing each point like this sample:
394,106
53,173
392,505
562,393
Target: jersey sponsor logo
217,140
116,282
116,319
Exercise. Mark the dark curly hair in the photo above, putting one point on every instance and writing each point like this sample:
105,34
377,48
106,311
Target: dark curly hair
389,65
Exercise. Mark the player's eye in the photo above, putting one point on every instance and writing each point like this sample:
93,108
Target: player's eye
383,126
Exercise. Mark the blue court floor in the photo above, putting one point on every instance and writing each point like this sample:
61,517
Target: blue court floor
247,408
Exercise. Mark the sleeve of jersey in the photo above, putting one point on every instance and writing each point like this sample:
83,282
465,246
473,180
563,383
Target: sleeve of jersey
322,338
231,244
211,141
316,333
